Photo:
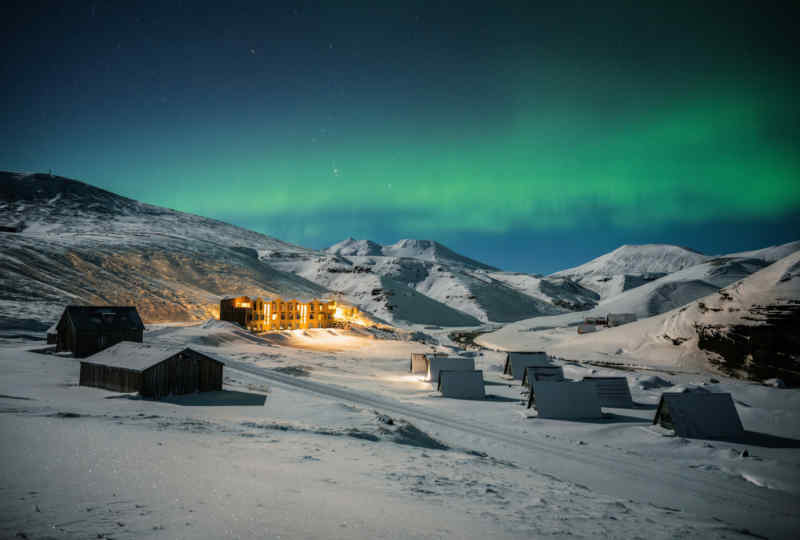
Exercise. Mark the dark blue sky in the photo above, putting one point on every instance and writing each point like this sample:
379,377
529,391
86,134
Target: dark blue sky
530,137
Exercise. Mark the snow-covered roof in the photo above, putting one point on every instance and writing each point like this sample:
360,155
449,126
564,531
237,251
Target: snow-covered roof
137,356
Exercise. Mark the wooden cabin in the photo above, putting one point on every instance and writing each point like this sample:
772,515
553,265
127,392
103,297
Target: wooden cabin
85,330
151,370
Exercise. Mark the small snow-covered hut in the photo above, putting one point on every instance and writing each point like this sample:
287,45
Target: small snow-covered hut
419,364
516,362
617,319
52,334
461,384
451,363
565,400
699,415
151,370
612,391
542,373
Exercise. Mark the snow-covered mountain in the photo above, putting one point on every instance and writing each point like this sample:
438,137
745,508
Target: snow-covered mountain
386,280
748,328
631,266
424,250
82,244
662,294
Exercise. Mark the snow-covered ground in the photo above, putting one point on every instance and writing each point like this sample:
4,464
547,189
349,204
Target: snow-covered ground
324,433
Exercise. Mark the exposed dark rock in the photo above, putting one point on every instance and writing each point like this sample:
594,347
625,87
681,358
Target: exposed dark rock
760,351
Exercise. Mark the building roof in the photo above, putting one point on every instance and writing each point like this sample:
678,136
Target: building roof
138,356
97,318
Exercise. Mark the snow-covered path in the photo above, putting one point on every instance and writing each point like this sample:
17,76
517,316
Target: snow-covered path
601,469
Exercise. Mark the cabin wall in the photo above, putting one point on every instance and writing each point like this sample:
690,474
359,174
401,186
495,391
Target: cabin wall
109,378
183,373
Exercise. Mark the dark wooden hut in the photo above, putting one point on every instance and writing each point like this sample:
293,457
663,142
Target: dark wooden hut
85,330
230,310
52,334
151,370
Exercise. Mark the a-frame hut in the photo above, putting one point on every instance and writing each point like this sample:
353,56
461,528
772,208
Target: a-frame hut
612,391
542,373
565,400
461,384
451,363
699,415
516,362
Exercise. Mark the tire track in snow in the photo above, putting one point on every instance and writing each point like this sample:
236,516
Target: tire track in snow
654,482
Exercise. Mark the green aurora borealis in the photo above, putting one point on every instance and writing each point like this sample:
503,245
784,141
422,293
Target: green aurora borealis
478,139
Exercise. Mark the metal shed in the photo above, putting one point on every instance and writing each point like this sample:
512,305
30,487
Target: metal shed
612,391
419,364
450,363
151,370
542,373
516,362
85,330
461,384
565,400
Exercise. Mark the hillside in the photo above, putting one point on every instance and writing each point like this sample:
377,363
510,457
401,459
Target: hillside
378,276
630,266
82,244
746,329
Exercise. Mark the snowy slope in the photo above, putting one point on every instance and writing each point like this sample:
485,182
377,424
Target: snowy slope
370,273
426,250
82,244
770,254
630,266
663,294
747,328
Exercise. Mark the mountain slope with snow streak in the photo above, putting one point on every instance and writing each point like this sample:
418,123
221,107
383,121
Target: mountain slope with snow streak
630,266
85,245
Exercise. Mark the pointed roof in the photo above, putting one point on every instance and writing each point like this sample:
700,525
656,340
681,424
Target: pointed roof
100,318
138,356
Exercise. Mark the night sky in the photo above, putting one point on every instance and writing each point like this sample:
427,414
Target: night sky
530,137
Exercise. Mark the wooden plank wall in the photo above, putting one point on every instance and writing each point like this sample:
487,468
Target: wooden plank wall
110,378
183,373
